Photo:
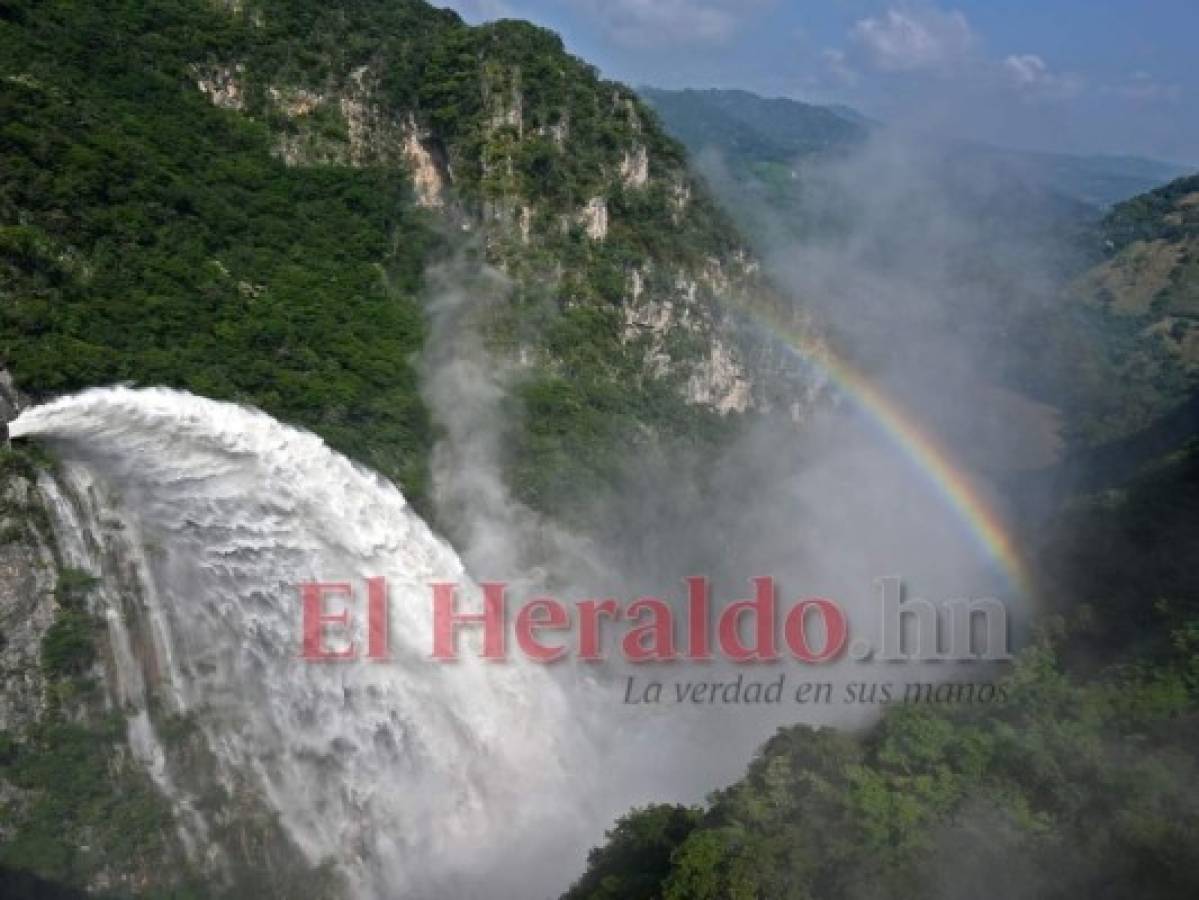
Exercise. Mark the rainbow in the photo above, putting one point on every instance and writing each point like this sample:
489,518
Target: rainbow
922,450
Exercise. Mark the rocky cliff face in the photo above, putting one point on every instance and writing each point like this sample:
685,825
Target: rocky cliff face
105,782
28,574
579,195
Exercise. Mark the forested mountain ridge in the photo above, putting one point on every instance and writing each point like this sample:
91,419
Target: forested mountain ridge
1145,287
757,133
282,199
752,129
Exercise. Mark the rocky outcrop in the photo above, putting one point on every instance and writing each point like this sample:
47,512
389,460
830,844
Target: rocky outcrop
346,126
222,85
634,168
28,574
546,153
594,218
426,162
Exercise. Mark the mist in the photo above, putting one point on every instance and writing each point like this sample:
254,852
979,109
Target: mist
897,263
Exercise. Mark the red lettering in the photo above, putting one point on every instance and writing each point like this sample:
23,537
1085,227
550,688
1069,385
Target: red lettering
762,608
836,630
528,620
446,619
315,619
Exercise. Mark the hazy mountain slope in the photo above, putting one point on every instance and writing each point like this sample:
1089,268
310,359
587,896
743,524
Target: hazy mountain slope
1097,180
1073,297
752,132
1143,296
752,129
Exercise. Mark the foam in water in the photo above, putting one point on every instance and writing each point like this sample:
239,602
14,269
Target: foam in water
416,778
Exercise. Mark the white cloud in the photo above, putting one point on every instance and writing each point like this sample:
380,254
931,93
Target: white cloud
1026,70
915,39
1033,77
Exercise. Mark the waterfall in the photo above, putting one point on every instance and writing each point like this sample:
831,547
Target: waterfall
415,778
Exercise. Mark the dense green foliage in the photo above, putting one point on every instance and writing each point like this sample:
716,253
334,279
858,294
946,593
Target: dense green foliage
68,647
90,811
583,422
521,123
1148,217
147,236
1125,559
1140,303
636,860
1075,791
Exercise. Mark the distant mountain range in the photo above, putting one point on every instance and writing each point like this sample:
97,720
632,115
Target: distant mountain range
1082,268
748,129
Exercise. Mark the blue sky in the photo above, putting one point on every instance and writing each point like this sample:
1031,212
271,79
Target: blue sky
1110,76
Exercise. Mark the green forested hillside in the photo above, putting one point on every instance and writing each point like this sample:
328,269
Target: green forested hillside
771,137
147,236
264,243
755,131
1139,306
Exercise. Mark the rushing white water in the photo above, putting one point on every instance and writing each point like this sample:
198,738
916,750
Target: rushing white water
416,778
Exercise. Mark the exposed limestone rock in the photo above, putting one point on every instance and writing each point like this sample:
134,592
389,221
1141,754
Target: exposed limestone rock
634,168
295,102
428,178
558,133
526,224
680,198
222,85
629,105
636,285
372,136
656,317
594,218
719,381
701,296
505,102
239,8
27,577
12,401
27,580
